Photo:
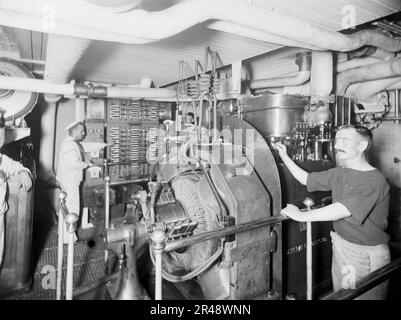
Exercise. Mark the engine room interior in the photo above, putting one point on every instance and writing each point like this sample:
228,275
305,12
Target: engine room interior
163,150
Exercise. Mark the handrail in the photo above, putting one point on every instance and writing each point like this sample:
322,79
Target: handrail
69,219
208,235
117,183
366,283
63,208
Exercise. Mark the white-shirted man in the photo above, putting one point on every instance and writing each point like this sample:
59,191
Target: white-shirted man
70,167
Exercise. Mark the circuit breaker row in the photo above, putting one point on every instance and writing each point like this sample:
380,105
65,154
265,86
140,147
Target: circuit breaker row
133,111
130,129
127,171
131,146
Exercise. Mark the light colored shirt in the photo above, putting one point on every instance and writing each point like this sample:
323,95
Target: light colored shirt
71,162
10,167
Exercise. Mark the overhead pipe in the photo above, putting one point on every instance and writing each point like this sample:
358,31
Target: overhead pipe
381,70
341,66
87,90
353,63
303,60
305,89
62,54
365,91
138,26
254,34
394,86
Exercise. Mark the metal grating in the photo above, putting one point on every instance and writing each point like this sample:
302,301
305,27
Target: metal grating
89,267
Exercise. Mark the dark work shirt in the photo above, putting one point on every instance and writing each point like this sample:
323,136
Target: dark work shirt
365,194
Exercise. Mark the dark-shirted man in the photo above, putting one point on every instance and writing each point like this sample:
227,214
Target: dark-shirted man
359,209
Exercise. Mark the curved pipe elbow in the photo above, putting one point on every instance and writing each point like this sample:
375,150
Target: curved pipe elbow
376,39
299,79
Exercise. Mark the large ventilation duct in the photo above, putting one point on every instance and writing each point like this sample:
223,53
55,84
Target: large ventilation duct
139,26
254,34
381,70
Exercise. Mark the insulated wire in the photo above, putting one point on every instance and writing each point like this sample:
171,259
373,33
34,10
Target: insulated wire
173,278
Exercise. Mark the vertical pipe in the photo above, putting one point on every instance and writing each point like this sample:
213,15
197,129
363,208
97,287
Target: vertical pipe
321,73
308,202
343,112
71,224
106,215
318,151
397,105
158,238
60,246
70,266
158,275
215,132
309,260
336,112
349,110
79,109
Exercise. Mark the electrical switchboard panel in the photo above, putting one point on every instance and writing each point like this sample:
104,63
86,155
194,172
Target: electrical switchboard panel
132,132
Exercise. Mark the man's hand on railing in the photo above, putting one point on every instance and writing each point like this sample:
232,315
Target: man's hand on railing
293,212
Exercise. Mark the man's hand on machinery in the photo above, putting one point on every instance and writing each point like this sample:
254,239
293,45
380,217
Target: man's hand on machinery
293,212
25,180
281,148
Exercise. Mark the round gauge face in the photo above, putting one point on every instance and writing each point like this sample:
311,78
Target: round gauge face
15,104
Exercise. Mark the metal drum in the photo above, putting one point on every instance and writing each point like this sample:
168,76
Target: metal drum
274,115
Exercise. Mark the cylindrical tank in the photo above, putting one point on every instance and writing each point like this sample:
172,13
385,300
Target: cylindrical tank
274,115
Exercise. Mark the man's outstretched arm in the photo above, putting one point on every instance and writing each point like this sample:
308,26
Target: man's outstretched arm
298,173
332,212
